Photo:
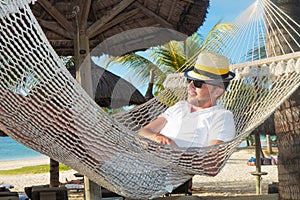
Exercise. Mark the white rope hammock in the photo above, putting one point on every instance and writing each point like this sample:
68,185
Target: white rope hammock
44,108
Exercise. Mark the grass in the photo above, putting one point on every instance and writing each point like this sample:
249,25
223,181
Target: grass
38,169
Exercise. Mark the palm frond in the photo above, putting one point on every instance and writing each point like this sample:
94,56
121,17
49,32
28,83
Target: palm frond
170,57
215,38
193,45
140,66
69,61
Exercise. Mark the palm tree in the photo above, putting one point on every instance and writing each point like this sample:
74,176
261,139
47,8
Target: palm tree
287,122
173,56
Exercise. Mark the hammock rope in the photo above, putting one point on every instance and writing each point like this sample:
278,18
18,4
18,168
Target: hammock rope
44,108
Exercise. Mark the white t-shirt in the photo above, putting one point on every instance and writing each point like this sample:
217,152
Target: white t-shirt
196,129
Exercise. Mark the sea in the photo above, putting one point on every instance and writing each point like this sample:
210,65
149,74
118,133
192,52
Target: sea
12,150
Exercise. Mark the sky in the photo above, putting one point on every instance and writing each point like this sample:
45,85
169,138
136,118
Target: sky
224,10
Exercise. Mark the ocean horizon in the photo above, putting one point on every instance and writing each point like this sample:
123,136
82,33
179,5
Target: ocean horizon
13,150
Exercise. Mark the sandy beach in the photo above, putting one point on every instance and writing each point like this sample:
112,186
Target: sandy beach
14,164
234,179
21,181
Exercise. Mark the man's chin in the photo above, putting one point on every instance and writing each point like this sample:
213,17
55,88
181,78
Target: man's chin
192,101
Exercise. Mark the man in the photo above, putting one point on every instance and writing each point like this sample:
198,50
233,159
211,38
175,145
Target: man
198,121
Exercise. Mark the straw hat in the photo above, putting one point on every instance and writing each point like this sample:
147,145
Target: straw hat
210,67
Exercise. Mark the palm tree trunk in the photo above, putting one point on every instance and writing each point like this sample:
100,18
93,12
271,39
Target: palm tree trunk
291,8
149,92
288,133
269,144
287,124
54,173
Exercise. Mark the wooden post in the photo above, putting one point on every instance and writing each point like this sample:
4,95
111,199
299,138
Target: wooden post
91,190
269,144
257,163
83,65
84,77
258,173
54,173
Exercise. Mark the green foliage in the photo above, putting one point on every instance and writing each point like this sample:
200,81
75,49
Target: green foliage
69,61
38,169
241,91
20,77
215,38
170,57
250,140
11,73
170,96
113,111
141,67
192,45
258,51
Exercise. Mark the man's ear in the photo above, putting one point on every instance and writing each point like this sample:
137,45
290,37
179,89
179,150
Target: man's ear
218,91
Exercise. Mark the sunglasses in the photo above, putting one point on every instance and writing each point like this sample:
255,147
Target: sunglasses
197,84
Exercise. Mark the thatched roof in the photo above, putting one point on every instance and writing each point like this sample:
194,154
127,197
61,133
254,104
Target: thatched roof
111,90
61,20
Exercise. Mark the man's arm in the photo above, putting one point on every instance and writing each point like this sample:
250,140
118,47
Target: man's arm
213,142
152,131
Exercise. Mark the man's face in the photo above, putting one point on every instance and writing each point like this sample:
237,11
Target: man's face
203,96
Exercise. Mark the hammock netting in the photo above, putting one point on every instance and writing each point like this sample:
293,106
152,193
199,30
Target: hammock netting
44,108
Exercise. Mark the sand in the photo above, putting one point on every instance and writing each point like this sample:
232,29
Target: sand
21,181
234,179
14,164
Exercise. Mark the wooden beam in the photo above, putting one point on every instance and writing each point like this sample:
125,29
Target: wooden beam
54,27
149,13
117,20
189,1
158,6
84,14
171,10
91,31
145,3
56,15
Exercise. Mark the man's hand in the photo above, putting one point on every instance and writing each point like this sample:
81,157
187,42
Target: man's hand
152,132
163,139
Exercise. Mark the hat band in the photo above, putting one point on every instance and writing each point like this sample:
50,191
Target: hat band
211,75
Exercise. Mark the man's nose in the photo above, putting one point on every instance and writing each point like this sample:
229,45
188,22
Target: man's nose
191,85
